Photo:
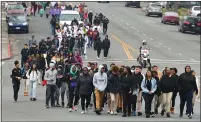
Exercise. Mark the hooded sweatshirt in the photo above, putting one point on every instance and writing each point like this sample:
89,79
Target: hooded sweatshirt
187,82
51,75
100,80
73,77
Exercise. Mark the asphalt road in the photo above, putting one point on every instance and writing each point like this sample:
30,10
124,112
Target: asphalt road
121,36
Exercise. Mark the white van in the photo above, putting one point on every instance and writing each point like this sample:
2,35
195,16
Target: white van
67,16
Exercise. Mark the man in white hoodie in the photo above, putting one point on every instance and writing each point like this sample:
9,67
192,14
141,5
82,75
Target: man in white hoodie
100,84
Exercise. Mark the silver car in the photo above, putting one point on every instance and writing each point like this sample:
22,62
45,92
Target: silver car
154,9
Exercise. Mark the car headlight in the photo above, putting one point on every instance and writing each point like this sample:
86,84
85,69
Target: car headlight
150,10
25,23
11,24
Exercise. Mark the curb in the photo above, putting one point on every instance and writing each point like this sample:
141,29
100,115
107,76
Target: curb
9,52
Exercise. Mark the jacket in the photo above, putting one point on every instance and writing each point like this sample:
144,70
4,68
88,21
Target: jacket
113,85
106,44
51,76
187,82
74,76
85,84
168,84
126,82
33,75
100,80
144,86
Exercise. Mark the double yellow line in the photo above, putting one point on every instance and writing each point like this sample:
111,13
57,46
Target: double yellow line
125,46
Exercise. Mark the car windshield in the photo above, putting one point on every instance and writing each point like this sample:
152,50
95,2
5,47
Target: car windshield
197,8
171,14
193,19
155,5
69,17
18,18
14,7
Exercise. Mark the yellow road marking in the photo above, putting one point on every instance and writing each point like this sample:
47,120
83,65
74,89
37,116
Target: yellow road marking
124,47
120,41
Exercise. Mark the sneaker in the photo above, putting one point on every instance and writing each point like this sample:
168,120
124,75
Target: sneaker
162,112
70,110
47,106
139,113
105,57
152,114
108,111
58,105
180,115
190,116
31,99
82,112
134,113
75,108
115,113
34,99
168,115
111,113
98,57
124,115
147,116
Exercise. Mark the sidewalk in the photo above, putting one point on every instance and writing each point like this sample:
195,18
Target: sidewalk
5,42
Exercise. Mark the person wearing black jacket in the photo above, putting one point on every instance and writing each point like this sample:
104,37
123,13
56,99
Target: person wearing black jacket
84,89
186,87
42,46
105,23
33,50
157,95
138,77
53,24
49,43
106,46
99,46
174,94
16,77
90,16
126,90
24,54
113,88
74,21
168,85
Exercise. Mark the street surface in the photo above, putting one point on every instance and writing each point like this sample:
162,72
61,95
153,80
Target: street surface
127,28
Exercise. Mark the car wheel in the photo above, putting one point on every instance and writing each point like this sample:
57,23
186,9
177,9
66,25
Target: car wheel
179,28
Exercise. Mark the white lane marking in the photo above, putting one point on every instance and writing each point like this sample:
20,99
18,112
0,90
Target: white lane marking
117,18
192,59
159,43
151,39
132,27
122,20
127,24
137,30
144,34
169,48
179,54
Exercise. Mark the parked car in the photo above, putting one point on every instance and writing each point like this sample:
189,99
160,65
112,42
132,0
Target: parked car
195,11
190,23
133,3
170,17
17,23
154,9
14,9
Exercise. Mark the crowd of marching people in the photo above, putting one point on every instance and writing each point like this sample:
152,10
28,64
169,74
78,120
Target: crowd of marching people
58,65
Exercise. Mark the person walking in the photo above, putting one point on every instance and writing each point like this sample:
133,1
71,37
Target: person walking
50,77
100,83
16,77
99,46
148,86
126,90
24,71
85,89
106,46
113,88
168,84
186,86
33,75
